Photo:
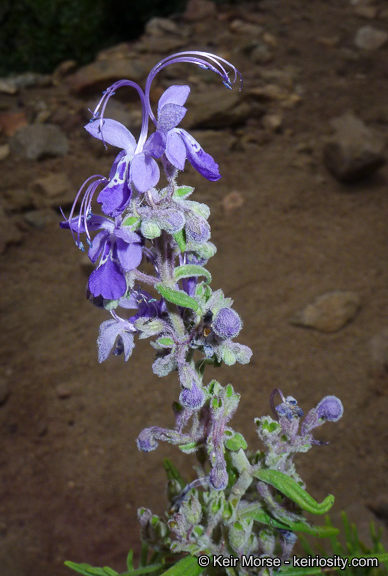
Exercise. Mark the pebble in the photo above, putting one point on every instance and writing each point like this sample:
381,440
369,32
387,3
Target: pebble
369,38
272,122
355,151
232,201
197,10
329,312
62,391
379,348
98,75
52,190
38,141
7,86
41,218
9,232
4,151
368,12
12,121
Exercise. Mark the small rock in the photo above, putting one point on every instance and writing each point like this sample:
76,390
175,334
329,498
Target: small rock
379,348
12,121
369,12
4,391
63,391
379,507
64,69
161,26
52,190
369,38
329,41
246,28
4,151
7,86
232,201
32,80
9,232
272,122
197,10
38,141
329,312
261,54
98,75
355,152
41,218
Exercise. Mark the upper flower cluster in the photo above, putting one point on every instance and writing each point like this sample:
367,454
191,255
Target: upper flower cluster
130,190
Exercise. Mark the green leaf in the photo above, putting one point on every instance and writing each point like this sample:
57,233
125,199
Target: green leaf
132,221
165,342
80,568
188,448
182,191
177,297
186,567
130,560
190,270
88,570
236,442
144,570
172,472
260,515
290,488
180,239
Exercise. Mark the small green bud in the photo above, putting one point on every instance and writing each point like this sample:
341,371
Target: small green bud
150,229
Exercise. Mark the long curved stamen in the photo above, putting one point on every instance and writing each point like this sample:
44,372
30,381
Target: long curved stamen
99,111
202,59
84,212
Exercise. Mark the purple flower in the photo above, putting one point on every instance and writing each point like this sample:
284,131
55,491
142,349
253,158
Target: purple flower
116,335
330,408
179,144
118,248
130,167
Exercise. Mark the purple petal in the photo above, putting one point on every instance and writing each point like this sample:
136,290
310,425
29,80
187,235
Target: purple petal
155,145
127,235
129,303
114,198
116,195
170,116
107,338
112,331
108,280
176,150
112,132
145,172
200,160
98,245
129,255
174,95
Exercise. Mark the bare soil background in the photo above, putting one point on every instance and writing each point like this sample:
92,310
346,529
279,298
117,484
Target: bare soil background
71,475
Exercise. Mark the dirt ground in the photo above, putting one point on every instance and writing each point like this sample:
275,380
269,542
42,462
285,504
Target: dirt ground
71,475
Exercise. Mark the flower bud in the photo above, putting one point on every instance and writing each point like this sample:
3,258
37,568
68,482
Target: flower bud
330,408
227,323
192,399
150,229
